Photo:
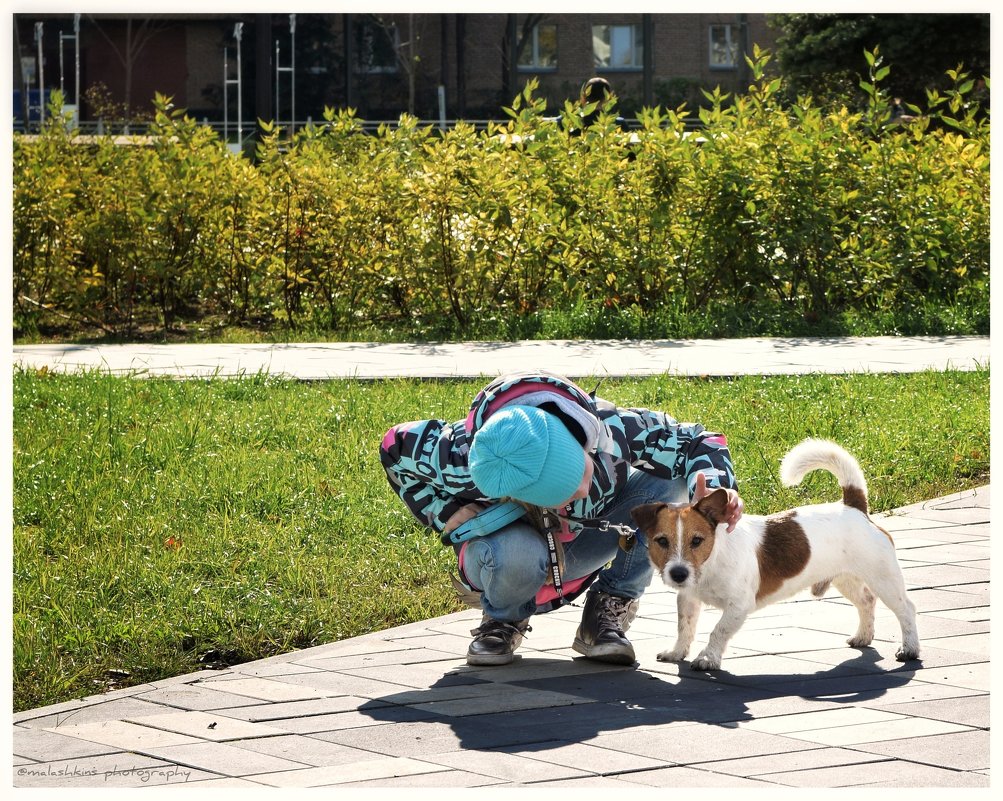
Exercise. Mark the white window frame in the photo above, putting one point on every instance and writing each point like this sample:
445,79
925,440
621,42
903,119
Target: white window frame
635,47
732,42
532,47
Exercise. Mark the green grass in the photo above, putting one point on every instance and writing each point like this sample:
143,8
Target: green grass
668,321
161,526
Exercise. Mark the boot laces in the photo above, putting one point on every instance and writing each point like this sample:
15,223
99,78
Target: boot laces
611,613
499,628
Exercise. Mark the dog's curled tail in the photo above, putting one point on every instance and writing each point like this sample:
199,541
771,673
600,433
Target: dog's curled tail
820,454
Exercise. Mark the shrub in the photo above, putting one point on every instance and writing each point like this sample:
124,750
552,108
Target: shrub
820,212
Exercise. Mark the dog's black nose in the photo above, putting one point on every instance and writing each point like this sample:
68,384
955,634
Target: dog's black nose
679,574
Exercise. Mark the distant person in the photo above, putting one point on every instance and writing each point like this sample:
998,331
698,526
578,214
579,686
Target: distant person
596,93
899,112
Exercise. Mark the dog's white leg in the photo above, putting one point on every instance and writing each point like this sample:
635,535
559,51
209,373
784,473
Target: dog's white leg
688,611
890,588
731,621
857,593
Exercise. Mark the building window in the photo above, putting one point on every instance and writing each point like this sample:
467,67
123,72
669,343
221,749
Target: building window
724,53
376,47
617,47
540,49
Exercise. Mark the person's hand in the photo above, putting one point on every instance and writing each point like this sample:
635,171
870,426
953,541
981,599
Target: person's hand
461,516
736,505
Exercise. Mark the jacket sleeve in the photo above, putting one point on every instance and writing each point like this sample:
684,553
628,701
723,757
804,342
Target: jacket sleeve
426,464
658,444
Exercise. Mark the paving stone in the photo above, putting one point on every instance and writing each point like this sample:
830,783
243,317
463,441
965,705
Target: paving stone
309,750
195,696
290,689
438,781
695,743
822,719
386,768
227,759
206,726
96,712
822,757
41,745
964,554
415,739
262,713
584,757
419,677
914,691
350,720
975,613
961,750
682,777
325,684
404,656
127,736
933,626
937,600
974,675
512,699
879,774
216,783
972,710
509,767
882,731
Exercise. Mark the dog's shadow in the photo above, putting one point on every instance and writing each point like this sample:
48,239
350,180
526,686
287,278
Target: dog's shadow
574,701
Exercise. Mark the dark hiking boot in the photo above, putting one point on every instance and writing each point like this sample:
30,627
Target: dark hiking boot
601,633
495,641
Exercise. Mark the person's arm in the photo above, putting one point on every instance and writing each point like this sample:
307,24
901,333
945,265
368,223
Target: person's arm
425,467
657,443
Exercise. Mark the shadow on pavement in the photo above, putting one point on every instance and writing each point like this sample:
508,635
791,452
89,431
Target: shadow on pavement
588,703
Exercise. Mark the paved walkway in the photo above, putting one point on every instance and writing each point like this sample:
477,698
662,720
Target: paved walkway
793,706
716,357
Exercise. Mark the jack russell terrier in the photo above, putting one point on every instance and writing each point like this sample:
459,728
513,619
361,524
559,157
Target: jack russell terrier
769,559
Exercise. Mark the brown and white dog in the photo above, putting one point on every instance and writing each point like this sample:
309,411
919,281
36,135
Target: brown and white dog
768,559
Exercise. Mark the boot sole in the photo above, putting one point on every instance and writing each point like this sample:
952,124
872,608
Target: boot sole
490,660
614,654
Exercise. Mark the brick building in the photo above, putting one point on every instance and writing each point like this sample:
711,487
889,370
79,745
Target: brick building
380,65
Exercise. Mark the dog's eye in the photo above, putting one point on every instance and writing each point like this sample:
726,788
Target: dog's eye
662,542
695,542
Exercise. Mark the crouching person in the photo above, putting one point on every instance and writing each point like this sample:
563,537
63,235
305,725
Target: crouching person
569,468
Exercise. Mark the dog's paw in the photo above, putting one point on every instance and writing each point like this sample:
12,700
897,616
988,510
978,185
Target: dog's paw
706,661
859,642
905,654
675,655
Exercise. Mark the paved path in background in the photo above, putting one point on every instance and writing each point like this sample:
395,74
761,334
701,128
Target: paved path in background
617,358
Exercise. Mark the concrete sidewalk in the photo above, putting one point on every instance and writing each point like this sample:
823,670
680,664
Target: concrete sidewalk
365,360
793,706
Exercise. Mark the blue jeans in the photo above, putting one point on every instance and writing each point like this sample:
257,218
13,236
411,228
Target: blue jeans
509,566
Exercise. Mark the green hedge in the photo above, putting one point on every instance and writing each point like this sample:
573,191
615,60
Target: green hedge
817,210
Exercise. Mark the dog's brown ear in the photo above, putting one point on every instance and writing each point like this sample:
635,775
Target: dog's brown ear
713,506
645,514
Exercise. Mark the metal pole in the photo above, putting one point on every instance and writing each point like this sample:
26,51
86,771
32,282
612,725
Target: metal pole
292,74
277,72
226,97
238,32
76,59
39,29
61,37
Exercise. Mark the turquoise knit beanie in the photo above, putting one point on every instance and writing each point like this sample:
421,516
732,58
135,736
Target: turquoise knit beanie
525,453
